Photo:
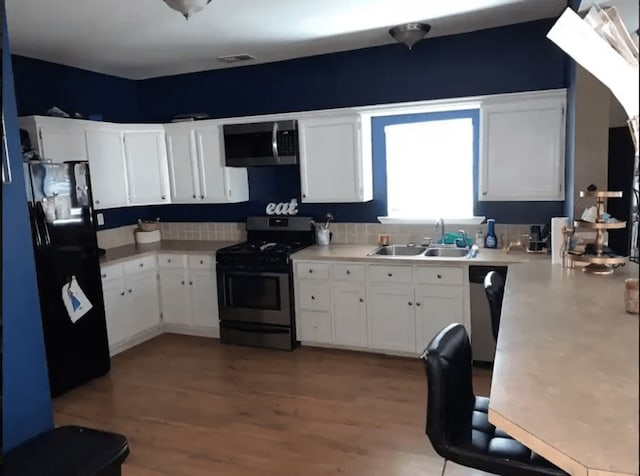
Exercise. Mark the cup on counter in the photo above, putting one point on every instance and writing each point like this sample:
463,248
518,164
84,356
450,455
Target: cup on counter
323,236
632,296
384,240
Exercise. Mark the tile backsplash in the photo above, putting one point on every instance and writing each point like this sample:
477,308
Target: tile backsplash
343,233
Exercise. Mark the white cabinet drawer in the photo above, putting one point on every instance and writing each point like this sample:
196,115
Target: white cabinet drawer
200,261
167,260
312,270
137,265
314,327
391,274
347,272
439,275
314,296
111,271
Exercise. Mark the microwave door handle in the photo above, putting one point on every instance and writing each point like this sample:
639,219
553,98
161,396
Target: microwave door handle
274,140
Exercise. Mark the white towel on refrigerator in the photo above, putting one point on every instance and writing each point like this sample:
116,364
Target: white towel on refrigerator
75,301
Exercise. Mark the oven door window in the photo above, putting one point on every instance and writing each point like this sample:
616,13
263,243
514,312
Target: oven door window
253,292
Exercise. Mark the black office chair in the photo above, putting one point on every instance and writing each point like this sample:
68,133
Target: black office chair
457,421
494,287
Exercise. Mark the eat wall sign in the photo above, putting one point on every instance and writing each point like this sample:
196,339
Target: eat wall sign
283,208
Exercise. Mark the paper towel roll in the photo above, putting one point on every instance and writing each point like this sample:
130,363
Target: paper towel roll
557,238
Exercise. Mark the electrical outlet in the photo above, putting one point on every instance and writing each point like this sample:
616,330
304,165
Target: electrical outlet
100,217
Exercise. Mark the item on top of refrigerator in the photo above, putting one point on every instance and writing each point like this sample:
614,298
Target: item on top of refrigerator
57,112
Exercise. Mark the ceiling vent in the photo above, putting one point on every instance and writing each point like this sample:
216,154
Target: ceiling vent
235,58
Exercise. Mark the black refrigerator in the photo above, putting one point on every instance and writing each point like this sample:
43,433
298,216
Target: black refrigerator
68,273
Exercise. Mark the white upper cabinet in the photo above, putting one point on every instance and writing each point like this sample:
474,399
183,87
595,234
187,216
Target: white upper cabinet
196,167
147,171
56,139
522,148
107,167
333,167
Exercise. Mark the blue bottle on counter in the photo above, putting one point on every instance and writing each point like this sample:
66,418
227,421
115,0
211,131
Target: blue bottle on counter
491,241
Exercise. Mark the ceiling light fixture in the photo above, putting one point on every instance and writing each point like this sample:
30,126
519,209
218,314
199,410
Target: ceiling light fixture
410,33
187,7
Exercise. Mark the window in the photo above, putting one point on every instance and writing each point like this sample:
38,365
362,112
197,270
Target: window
430,163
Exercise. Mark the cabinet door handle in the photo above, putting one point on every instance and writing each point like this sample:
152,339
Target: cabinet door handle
141,265
439,276
348,272
183,283
163,197
418,304
201,262
122,293
313,298
104,275
390,275
168,261
484,192
410,303
190,283
201,197
311,271
361,300
97,202
130,291
304,195
194,196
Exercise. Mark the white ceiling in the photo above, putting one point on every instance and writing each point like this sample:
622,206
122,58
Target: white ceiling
144,38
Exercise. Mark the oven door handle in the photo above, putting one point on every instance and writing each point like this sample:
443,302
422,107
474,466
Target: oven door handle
254,328
262,274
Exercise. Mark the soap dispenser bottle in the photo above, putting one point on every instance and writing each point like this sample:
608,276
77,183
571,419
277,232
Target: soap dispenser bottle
491,241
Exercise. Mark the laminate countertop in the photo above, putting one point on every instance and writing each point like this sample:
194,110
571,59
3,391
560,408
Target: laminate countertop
565,377
126,252
359,253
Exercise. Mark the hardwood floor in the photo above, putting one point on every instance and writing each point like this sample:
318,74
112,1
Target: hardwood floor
191,406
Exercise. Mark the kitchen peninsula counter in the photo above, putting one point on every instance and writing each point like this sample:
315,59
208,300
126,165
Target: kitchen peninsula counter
565,377
126,252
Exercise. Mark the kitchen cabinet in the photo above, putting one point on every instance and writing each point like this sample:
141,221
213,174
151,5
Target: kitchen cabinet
107,167
131,300
391,318
522,148
196,170
188,291
436,307
333,167
147,169
393,308
54,138
349,314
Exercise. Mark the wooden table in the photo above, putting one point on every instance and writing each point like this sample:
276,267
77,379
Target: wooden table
565,378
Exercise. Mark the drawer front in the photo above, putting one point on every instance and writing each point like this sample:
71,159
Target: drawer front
314,296
440,275
201,261
314,327
347,272
111,271
312,270
168,260
391,274
138,265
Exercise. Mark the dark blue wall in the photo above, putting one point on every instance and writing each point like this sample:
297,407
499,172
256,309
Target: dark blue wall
499,60
26,405
41,85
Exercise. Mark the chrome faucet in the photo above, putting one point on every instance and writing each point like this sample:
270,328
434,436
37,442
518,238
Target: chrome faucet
440,226
465,239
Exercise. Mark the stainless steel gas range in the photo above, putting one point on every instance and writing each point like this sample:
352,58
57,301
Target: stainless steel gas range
255,283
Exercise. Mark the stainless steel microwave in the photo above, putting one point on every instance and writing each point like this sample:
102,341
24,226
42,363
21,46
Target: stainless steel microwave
261,143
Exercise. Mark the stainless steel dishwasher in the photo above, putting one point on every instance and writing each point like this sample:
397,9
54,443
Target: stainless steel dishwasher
483,346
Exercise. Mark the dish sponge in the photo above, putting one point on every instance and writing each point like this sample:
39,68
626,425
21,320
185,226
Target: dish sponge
454,238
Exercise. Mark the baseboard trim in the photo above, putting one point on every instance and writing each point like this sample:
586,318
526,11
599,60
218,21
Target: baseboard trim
135,340
192,330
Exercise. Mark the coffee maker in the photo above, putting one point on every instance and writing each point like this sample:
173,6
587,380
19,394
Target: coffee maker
539,238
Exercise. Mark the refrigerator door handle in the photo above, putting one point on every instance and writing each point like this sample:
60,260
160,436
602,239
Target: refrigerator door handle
40,218
36,226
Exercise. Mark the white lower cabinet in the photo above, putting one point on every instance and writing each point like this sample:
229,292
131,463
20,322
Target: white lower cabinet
131,301
349,311
436,308
383,308
188,292
392,318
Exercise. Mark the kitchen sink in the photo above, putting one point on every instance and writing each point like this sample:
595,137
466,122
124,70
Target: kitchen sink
398,250
447,252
